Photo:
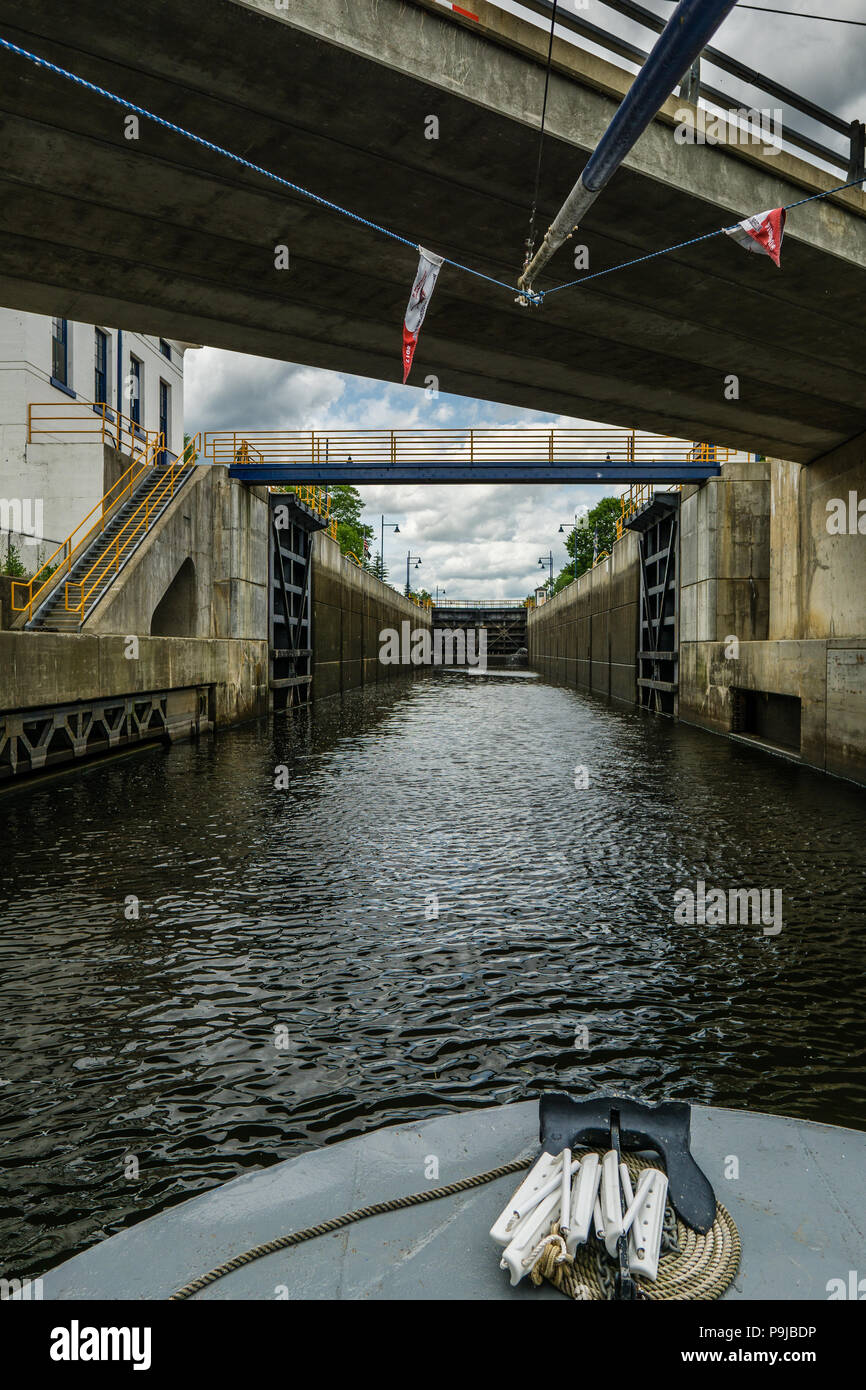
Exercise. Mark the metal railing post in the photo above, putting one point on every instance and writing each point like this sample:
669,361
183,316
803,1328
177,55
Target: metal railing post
857,158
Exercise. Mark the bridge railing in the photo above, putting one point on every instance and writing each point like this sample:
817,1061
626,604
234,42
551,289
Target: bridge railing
480,603
297,448
822,135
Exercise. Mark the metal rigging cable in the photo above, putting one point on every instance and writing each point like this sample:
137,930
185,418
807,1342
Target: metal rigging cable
530,240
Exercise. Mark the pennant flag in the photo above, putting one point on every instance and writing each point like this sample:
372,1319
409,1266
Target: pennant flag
425,283
762,233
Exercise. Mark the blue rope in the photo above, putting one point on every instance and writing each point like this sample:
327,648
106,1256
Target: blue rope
238,159
624,265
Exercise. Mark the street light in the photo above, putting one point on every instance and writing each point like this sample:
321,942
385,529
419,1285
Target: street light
392,526
579,517
444,595
544,560
409,558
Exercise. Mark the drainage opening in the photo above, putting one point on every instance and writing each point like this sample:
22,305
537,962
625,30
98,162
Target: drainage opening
770,717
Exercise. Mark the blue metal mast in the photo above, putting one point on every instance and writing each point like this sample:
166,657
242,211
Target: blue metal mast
684,36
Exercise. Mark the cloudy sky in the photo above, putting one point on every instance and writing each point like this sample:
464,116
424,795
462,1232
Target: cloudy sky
486,541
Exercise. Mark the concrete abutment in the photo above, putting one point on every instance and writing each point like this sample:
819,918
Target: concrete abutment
771,633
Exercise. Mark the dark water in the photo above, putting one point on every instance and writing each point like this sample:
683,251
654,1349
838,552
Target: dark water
304,917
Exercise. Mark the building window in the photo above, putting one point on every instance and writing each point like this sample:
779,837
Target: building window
165,411
60,351
100,373
135,389
164,348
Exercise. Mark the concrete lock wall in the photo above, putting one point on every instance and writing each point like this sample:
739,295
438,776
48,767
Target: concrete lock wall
210,554
773,608
350,610
195,596
772,628
587,635
46,669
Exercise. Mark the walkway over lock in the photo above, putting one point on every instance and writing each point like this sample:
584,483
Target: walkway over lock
462,456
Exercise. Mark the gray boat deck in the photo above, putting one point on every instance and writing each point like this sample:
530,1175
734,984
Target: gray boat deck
799,1203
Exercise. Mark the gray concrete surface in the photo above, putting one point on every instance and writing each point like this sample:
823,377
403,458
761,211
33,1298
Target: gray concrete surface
587,635
157,235
798,1203
351,609
43,669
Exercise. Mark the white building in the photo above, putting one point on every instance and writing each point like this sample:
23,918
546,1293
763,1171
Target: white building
70,393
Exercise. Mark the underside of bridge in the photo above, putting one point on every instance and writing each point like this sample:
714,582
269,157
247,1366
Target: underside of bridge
162,236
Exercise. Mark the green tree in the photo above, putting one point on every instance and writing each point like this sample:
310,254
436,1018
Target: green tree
380,570
12,565
352,534
600,522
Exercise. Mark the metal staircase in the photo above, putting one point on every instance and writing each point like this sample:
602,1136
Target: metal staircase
61,597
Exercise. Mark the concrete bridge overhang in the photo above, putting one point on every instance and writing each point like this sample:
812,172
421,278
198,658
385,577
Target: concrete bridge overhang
160,236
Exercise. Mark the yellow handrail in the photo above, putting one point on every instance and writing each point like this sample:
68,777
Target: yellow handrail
69,549
127,538
367,448
639,494
89,418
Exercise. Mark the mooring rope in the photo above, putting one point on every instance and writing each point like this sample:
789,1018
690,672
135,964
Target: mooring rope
692,1266
324,1228
237,158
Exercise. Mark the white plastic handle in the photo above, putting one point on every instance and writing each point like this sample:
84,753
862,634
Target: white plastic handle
584,1200
544,1177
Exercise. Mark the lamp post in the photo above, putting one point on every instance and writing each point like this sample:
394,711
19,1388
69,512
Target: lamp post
579,518
409,558
392,526
544,560
444,595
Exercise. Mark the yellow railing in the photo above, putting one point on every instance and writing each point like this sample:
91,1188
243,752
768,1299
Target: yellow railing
295,448
80,592
28,594
639,494
88,420
318,499
481,603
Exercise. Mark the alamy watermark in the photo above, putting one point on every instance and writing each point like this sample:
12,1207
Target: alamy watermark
745,126
846,518
443,647
715,907
23,516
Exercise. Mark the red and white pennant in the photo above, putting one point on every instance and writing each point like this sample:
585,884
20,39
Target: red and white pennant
458,9
762,233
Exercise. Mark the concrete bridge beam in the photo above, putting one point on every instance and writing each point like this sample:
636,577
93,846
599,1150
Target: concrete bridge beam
157,235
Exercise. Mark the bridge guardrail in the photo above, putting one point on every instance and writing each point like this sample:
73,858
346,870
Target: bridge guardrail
419,447
846,154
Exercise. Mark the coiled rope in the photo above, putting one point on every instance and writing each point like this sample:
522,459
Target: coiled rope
692,1267
325,1228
